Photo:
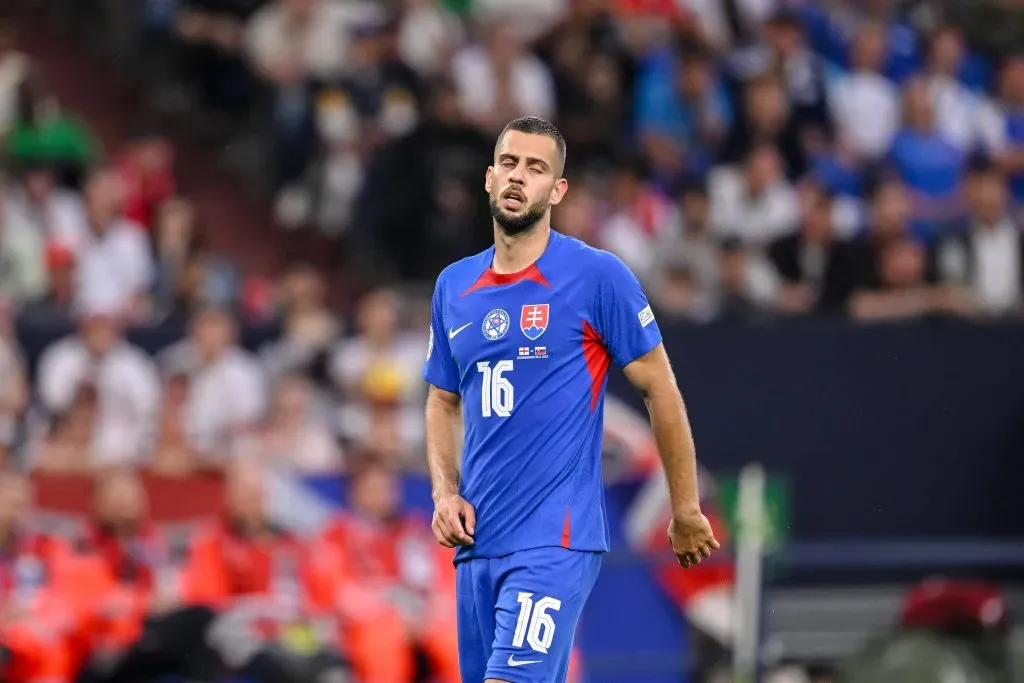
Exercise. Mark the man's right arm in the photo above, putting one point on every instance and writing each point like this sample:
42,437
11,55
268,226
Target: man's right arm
454,518
442,459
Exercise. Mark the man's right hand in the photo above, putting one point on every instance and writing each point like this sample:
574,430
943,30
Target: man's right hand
454,521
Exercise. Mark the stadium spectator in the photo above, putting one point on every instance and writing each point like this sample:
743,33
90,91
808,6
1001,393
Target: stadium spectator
866,103
57,306
637,218
427,36
124,378
396,595
46,594
265,588
146,172
499,79
210,51
376,372
67,444
955,106
179,260
297,435
133,559
296,46
803,75
52,210
753,202
226,388
813,263
43,132
173,454
987,259
689,269
765,118
1002,125
113,257
928,163
309,330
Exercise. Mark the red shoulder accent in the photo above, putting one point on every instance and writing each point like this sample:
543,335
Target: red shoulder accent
598,361
492,279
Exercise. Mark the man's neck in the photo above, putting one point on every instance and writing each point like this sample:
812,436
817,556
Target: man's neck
518,252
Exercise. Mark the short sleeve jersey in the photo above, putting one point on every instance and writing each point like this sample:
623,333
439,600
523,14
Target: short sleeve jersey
529,354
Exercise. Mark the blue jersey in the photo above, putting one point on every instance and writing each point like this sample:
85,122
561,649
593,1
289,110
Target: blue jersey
529,354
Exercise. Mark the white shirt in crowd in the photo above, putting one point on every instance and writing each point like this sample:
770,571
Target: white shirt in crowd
227,395
991,124
756,220
321,45
22,266
128,389
989,265
60,216
638,248
120,259
866,106
532,19
426,33
532,88
956,111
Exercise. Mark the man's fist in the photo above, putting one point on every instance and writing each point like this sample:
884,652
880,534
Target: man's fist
454,521
692,539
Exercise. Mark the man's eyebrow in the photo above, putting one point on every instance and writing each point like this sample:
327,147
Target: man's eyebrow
508,156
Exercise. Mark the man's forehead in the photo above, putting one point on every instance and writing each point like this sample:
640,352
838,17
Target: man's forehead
520,144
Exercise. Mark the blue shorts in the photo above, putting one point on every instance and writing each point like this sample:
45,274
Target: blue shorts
518,613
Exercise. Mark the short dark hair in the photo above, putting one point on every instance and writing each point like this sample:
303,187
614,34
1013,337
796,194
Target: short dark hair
535,125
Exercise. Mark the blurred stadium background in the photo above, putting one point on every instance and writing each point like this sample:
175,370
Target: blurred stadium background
219,225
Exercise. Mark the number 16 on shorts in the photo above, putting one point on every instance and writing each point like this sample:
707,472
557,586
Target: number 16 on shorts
535,626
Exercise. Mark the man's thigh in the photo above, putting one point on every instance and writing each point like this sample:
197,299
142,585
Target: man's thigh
474,599
541,594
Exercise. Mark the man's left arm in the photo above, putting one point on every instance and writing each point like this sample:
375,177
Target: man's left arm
653,377
631,335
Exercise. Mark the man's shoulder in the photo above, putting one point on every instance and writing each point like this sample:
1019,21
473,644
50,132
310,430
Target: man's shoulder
460,275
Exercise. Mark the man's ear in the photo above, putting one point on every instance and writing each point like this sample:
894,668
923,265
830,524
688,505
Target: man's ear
558,192
487,179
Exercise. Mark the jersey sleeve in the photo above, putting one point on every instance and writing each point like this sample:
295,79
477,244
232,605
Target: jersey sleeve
439,368
623,316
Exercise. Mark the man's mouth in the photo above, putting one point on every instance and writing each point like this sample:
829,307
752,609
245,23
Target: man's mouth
513,199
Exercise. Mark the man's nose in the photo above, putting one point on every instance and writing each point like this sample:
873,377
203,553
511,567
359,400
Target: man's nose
517,175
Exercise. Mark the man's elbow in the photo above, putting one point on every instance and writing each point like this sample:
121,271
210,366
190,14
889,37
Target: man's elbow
442,400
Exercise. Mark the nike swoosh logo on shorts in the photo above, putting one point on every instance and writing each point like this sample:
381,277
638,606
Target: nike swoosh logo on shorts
452,333
512,661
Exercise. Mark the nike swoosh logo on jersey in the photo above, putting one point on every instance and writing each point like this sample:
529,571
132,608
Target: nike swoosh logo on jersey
452,333
512,661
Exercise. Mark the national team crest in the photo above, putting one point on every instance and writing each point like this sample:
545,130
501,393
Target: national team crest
534,320
496,324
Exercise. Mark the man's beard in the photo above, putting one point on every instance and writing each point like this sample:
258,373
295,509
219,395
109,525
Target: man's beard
516,224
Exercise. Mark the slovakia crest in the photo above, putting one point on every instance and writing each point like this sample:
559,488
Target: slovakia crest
496,324
534,320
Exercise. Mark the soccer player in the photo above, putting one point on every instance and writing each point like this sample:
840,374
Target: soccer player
521,339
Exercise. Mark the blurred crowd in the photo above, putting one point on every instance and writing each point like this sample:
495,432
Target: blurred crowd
749,159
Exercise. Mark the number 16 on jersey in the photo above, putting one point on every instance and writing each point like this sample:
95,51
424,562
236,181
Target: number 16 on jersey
497,395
